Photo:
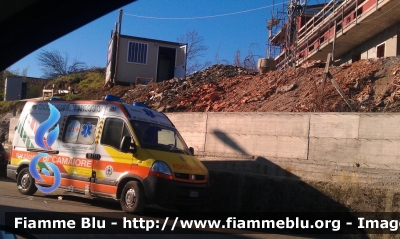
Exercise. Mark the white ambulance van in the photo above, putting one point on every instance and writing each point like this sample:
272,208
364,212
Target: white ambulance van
105,149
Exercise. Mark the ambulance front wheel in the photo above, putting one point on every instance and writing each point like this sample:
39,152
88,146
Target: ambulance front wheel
25,182
132,197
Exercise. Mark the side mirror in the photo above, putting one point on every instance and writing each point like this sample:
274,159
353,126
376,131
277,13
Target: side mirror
126,145
7,235
191,149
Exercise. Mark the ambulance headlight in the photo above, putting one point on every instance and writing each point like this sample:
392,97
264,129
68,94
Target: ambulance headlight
161,167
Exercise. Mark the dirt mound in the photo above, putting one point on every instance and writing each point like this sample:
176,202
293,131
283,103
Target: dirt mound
371,85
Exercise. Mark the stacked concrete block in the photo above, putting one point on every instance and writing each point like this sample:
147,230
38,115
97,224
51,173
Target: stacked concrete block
257,134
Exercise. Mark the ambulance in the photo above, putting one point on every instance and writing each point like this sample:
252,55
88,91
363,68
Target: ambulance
105,149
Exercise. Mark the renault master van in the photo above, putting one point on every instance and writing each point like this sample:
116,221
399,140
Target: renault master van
108,149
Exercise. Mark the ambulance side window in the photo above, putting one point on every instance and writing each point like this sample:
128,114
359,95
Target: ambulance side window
80,129
28,129
113,131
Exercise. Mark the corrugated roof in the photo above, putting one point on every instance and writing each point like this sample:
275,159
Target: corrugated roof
33,80
152,40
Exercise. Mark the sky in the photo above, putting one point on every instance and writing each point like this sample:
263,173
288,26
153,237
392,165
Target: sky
225,25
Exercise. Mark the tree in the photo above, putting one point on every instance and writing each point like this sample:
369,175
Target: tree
236,59
55,65
250,62
194,51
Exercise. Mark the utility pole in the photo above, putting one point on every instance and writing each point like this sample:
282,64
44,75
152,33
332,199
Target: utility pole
294,10
118,35
119,21
327,74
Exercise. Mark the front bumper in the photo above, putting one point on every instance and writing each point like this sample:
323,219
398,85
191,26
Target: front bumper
12,171
166,192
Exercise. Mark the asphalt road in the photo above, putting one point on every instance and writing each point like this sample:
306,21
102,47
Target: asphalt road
12,201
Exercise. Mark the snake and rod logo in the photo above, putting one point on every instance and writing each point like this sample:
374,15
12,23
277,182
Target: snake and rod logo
45,142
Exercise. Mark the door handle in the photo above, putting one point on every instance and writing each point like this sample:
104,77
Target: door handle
93,156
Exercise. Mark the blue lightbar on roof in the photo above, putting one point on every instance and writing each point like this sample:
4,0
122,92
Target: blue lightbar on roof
53,98
112,98
140,104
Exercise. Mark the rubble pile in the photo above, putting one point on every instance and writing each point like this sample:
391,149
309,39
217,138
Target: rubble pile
370,85
197,92
393,92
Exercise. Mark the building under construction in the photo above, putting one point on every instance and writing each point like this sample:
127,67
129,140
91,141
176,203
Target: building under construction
349,29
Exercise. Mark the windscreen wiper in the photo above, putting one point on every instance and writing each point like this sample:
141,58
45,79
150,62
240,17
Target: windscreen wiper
176,150
154,147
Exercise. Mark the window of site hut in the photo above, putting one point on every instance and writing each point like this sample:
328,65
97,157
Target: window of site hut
137,52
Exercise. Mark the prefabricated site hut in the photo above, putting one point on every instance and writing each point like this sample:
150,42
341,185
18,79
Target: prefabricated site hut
23,87
144,59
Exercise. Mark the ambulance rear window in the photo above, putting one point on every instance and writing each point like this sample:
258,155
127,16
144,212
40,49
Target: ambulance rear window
80,130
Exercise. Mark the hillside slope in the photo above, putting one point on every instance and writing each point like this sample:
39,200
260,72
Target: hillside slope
372,85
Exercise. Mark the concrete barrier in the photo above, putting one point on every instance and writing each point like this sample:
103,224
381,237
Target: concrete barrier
298,161
330,144
192,127
265,134
13,125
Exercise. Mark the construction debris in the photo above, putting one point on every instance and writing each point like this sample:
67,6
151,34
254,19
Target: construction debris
286,88
370,85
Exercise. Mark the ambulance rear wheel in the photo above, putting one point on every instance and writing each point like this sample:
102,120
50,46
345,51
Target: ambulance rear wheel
132,197
25,182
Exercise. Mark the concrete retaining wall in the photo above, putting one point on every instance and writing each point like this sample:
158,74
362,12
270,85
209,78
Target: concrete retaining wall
354,147
297,162
13,125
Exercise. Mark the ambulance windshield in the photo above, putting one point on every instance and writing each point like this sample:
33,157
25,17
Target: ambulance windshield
154,136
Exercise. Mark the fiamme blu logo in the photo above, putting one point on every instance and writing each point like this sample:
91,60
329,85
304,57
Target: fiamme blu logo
45,142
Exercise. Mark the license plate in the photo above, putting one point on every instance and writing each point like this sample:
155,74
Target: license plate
194,194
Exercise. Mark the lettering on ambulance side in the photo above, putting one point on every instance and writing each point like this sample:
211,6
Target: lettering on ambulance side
87,108
57,159
45,107
79,162
83,148
69,107
186,167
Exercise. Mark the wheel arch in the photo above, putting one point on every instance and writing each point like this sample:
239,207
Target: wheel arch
22,166
123,181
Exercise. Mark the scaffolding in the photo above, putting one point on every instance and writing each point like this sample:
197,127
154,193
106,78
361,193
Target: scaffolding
303,30
275,25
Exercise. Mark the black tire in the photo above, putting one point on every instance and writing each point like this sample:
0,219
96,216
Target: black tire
3,170
132,197
25,182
